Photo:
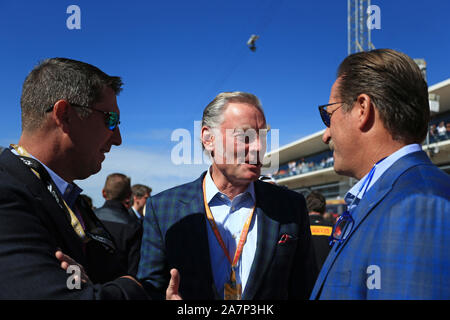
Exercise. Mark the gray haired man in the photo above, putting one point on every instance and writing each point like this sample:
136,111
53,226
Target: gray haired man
228,235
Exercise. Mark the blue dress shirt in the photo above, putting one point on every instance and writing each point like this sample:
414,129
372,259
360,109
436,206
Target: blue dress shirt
230,217
380,169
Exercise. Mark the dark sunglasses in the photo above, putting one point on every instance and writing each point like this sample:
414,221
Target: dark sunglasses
112,119
325,115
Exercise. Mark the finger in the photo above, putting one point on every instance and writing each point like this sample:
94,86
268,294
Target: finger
174,280
64,265
59,255
176,297
174,283
63,257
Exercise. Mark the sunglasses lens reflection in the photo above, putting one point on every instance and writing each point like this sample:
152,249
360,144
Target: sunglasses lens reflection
112,120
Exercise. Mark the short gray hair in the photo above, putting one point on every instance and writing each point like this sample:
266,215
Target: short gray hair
213,113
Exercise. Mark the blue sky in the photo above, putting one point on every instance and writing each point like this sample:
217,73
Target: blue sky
175,56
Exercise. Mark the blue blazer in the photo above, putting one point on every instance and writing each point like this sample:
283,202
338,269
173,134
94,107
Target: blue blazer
398,247
175,236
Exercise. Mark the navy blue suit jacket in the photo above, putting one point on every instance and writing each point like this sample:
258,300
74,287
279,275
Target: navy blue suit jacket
32,227
175,236
399,245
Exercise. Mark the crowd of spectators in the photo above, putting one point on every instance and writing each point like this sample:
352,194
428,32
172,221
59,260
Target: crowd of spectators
304,165
439,131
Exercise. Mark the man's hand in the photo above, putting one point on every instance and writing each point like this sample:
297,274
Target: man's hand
172,289
66,261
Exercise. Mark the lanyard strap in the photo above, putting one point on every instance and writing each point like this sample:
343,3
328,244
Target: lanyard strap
43,175
366,183
95,231
242,238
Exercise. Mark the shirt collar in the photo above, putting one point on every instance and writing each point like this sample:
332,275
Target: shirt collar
212,190
69,191
381,168
138,215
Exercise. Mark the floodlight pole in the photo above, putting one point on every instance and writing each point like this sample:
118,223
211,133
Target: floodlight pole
358,33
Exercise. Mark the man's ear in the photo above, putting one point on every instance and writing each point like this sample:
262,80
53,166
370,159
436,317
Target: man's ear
207,138
104,193
61,114
365,111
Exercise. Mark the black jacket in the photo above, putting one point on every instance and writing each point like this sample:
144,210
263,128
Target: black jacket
32,227
126,231
320,234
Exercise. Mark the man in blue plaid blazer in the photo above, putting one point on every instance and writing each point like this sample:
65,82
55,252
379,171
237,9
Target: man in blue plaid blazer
277,261
395,235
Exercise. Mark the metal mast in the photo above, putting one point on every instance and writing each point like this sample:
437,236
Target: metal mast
358,33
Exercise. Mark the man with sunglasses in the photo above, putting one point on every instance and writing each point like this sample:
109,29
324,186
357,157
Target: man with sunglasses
394,237
52,246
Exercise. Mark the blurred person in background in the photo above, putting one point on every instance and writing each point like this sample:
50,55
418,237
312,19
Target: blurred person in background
320,227
139,195
125,230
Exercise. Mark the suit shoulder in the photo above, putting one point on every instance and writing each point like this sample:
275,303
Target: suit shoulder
425,179
11,187
174,197
177,191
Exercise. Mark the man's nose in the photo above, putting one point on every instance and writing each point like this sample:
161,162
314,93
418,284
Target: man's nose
326,137
116,137
258,147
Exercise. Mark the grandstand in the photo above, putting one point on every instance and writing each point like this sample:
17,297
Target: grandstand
307,164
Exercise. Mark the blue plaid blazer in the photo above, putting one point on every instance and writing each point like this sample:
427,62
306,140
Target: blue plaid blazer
398,247
175,236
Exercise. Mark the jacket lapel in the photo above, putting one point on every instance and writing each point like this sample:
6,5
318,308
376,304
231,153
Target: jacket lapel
23,174
362,210
370,200
194,205
267,237
383,186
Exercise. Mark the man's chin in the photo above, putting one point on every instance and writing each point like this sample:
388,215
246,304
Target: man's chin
341,171
253,171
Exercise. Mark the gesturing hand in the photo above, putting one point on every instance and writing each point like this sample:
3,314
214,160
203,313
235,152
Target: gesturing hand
172,289
67,261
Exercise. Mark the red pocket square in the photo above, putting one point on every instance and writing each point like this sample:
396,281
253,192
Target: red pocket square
285,238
